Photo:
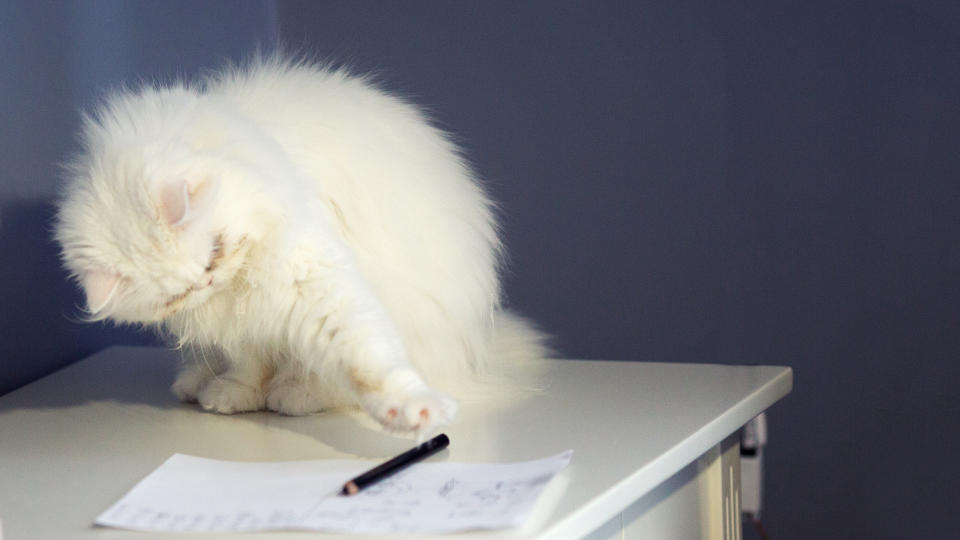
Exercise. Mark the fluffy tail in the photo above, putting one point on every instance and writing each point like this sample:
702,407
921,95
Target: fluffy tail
516,358
517,341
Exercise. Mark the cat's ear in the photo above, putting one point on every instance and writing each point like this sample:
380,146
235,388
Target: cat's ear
175,202
180,203
100,288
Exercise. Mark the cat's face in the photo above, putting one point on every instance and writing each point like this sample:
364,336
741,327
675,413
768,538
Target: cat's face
144,242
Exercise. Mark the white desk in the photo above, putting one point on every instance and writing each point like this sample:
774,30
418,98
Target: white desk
653,444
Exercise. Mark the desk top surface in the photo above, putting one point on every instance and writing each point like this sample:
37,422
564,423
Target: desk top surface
75,441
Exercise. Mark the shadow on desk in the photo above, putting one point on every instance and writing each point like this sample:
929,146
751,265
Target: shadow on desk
132,385
143,378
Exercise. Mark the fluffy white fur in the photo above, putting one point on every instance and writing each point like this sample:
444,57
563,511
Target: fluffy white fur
309,240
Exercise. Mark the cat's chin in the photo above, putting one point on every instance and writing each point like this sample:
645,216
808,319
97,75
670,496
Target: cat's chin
143,319
197,299
147,315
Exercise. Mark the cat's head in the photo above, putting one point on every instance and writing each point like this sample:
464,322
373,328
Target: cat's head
143,258
138,225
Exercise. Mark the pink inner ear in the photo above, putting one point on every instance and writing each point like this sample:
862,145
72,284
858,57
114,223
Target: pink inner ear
100,288
175,202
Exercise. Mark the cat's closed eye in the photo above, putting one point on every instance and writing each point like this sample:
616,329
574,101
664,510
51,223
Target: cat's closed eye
216,253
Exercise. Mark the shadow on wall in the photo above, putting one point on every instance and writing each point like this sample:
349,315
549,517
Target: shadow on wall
39,306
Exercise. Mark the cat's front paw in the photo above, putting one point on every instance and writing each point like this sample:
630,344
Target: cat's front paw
227,396
420,410
189,383
293,397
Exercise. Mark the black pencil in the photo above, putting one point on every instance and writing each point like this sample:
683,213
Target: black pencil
405,459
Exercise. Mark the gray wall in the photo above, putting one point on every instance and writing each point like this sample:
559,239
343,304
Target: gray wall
735,182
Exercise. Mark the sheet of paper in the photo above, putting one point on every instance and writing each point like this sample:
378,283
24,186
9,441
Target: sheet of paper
192,494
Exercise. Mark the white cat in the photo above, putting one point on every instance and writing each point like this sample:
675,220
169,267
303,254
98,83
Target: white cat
309,240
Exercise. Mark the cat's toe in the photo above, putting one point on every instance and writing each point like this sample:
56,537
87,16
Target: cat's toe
422,411
226,396
428,410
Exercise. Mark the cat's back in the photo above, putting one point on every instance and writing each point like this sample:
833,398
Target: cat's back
374,157
287,97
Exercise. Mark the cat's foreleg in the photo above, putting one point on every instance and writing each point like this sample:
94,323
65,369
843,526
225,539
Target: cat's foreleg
352,342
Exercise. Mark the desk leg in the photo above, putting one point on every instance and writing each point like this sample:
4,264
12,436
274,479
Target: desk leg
702,501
